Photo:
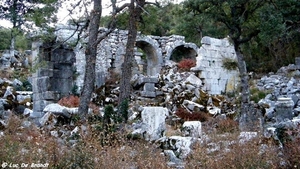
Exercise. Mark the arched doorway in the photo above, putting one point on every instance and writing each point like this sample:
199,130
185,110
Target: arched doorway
183,52
149,60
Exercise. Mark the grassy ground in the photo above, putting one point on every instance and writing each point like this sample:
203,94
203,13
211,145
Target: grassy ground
20,146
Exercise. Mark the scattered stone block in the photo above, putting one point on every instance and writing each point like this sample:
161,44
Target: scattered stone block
192,129
154,122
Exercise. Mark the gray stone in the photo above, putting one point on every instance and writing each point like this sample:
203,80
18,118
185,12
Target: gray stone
22,98
17,83
9,92
41,84
47,95
192,129
192,106
173,160
154,120
297,61
181,145
149,87
60,110
194,80
148,94
284,109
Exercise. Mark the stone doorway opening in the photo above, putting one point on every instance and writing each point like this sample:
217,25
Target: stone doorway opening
183,52
148,60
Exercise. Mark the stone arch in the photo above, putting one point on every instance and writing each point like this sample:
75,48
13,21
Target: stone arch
153,58
187,50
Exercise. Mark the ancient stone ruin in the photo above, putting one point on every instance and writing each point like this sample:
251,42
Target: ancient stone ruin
62,67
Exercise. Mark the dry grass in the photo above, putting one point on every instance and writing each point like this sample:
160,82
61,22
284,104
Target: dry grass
224,152
69,101
33,145
194,116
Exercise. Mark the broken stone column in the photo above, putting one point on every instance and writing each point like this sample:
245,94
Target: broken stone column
284,109
149,86
154,122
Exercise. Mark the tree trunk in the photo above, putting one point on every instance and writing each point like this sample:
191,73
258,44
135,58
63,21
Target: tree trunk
135,14
245,94
90,54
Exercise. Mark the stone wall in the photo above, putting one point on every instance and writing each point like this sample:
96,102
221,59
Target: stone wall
53,77
210,65
156,50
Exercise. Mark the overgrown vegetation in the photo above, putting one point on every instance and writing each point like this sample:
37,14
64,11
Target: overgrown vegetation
229,64
234,155
256,95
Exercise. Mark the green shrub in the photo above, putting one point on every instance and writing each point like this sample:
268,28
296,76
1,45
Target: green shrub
5,39
230,64
256,95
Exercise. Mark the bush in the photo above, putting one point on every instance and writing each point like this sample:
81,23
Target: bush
256,95
230,64
69,101
186,64
194,116
5,38
123,110
32,145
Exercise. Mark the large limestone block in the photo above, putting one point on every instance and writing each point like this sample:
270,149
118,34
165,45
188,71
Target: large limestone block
154,122
194,80
61,110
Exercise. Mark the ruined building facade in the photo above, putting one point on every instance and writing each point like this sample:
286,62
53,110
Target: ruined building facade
60,67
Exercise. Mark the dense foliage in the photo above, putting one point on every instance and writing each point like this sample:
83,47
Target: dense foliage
22,42
20,11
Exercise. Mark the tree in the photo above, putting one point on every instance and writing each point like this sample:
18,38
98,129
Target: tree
94,39
17,11
243,20
135,11
136,7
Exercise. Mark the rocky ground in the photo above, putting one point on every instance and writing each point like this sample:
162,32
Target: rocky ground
170,111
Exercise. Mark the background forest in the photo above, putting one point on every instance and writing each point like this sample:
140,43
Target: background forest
262,54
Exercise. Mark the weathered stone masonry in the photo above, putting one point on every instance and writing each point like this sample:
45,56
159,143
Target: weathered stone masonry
112,50
56,78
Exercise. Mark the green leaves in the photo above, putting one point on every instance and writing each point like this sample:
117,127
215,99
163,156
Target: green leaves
20,11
